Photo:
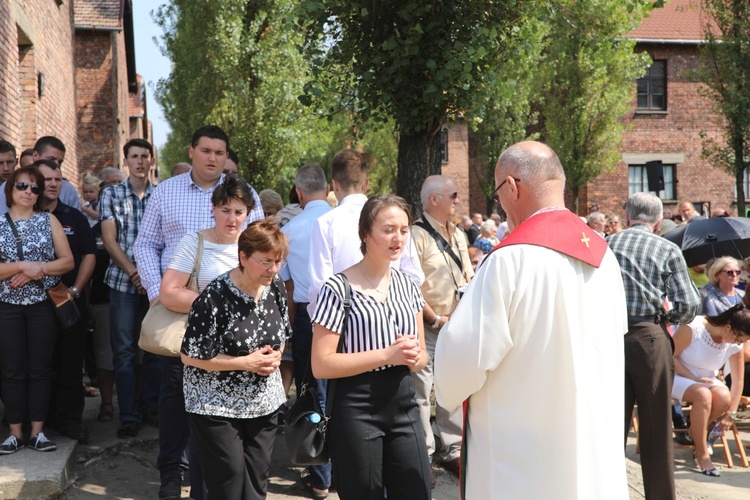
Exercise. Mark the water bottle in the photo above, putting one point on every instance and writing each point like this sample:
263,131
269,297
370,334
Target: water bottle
715,433
314,418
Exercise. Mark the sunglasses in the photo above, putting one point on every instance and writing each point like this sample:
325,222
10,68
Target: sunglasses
23,186
732,273
453,196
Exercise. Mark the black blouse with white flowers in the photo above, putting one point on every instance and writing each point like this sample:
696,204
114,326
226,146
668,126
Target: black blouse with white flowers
224,319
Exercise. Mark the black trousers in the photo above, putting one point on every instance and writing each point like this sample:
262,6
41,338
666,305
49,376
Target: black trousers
67,403
27,340
235,454
376,439
649,375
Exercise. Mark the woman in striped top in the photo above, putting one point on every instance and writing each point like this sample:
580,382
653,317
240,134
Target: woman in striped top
375,434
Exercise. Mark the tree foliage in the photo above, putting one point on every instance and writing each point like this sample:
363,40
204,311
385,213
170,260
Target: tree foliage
726,74
586,76
418,63
235,64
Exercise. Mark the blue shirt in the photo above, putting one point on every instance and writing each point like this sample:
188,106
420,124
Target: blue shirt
298,232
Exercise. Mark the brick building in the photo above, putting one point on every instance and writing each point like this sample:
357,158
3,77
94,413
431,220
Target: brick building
667,118
37,87
67,68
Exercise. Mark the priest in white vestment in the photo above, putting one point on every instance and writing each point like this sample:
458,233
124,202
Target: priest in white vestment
536,347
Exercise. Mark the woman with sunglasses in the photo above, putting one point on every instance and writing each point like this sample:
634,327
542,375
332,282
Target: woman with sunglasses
701,348
232,350
722,293
27,337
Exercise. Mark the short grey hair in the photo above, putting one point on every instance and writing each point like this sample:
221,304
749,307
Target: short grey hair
487,226
311,179
431,185
531,165
644,207
106,172
593,216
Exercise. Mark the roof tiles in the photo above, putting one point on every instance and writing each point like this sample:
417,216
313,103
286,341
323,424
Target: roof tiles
677,20
98,13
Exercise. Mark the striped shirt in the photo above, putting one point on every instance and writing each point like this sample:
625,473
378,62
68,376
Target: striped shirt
121,204
177,206
371,324
653,270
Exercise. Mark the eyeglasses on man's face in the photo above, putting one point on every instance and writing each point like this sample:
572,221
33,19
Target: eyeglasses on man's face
496,193
453,196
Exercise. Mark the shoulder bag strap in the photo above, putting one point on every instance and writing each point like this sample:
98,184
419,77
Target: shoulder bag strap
441,243
197,264
19,246
342,339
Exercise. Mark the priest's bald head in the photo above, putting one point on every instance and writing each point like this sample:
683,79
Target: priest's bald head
528,177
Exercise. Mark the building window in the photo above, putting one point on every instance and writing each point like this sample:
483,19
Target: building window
444,145
638,181
652,88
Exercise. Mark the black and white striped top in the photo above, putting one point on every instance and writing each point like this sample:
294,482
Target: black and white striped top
372,324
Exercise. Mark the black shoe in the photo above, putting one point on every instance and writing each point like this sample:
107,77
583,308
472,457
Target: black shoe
41,443
683,438
11,445
74,430
127,430
151,417
171,488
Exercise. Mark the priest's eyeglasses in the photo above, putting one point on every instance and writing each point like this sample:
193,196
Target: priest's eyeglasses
496,192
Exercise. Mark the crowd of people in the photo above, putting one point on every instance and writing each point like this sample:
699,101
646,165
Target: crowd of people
484,312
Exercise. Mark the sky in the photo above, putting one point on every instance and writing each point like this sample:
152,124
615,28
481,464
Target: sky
150,63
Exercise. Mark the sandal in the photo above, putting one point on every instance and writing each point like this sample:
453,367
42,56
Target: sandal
106,413
712,472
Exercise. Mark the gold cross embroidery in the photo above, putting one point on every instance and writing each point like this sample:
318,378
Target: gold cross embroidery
585,239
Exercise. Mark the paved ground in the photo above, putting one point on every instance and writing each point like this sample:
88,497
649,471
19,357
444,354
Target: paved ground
112,468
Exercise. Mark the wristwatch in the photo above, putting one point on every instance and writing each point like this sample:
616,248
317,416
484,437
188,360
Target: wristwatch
732,415
437,322
75,291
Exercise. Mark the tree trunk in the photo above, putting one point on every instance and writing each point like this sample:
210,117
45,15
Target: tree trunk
575,192
739,171
418,157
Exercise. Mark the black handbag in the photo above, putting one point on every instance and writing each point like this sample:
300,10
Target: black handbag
305,425
66,311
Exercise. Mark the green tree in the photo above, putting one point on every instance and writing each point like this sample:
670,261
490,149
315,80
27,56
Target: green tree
726,74
418,63
235,64
586,77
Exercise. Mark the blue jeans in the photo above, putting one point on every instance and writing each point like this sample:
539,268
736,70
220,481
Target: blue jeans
126,314
301,347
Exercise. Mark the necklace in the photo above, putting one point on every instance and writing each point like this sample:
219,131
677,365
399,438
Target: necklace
218,240
385,294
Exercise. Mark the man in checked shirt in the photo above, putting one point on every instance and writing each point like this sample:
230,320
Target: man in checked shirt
180,205
653,270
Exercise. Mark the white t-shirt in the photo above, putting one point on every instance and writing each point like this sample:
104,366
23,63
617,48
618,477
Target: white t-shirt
217,259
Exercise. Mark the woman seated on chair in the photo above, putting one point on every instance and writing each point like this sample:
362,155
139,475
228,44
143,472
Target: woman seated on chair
701,349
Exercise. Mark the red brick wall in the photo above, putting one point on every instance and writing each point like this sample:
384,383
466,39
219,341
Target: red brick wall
25,115
9,109
95,99
457,167
677,131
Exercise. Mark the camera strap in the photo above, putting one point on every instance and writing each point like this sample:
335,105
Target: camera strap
443,245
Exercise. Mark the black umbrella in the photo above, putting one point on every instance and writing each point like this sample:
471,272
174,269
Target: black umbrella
705,239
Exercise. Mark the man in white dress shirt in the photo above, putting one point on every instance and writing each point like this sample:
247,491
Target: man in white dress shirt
536,347
312,188
334,245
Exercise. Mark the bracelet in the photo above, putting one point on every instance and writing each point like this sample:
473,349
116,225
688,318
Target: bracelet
75,291
731,414
437,321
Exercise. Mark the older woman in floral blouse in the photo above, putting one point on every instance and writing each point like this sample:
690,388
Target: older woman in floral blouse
232,351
